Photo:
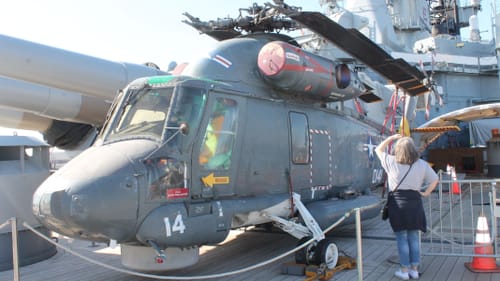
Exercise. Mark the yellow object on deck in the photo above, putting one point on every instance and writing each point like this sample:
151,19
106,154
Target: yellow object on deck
322,273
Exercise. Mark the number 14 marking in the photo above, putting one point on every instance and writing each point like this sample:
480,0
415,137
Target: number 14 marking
177,226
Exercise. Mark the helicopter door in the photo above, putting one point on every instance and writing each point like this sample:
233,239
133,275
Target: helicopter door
215,153
300,150
311,158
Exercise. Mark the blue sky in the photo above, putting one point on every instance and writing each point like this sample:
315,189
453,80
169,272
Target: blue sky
131,30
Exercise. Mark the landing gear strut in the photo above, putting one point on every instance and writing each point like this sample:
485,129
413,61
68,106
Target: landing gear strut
321,251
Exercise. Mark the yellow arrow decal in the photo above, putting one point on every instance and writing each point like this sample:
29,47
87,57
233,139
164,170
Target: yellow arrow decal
210,180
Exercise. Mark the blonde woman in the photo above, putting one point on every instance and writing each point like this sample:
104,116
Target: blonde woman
406,175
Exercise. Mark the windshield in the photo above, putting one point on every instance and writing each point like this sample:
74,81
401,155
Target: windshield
143,114
158,113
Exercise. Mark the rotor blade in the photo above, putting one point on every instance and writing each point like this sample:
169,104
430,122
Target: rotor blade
221,29
360,47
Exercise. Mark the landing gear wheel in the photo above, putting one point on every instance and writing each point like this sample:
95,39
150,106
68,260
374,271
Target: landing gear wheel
326,252
303,256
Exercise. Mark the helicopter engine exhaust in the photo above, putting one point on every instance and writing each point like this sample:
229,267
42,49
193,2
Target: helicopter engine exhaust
289,68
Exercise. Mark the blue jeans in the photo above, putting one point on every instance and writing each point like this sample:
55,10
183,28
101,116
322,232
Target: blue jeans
408,248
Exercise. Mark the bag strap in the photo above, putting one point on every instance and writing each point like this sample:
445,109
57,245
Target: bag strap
403,178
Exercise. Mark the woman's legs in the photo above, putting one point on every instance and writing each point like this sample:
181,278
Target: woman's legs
403,249
414,247
408,248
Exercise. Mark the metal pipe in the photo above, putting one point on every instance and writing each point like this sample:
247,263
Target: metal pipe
359,244
52,103
58,68
15,256
15,119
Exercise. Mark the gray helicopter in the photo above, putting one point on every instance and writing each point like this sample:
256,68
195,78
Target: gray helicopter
254,133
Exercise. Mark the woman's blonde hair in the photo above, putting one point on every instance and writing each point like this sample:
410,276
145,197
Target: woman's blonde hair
405,151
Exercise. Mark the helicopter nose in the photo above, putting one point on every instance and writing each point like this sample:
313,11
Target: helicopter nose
92,197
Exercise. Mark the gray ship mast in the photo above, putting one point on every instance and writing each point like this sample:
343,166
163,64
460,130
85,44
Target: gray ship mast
461,71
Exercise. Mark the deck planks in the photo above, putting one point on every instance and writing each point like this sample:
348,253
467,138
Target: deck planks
246,248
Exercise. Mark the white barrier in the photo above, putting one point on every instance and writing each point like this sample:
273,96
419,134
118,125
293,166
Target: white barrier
452,215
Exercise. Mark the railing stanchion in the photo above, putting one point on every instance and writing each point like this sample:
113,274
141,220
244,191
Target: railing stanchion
15,255
359,245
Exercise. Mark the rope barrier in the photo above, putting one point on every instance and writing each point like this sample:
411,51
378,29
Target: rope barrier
210,276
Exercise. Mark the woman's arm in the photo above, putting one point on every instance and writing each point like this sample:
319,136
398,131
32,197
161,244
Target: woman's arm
381,147
430,188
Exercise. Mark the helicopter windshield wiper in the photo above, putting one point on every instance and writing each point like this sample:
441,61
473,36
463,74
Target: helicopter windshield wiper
183,129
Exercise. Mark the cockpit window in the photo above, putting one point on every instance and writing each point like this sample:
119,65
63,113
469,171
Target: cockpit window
166,178
219,137
186,107
144,113
158,113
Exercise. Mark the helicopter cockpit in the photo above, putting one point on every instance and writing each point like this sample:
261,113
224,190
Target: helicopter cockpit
157,113
168,111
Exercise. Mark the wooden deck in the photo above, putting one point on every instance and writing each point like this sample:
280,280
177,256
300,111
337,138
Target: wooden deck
245,248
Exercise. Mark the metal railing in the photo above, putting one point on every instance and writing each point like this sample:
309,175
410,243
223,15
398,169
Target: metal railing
453,211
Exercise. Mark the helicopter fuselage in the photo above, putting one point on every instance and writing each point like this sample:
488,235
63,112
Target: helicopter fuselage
182,160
